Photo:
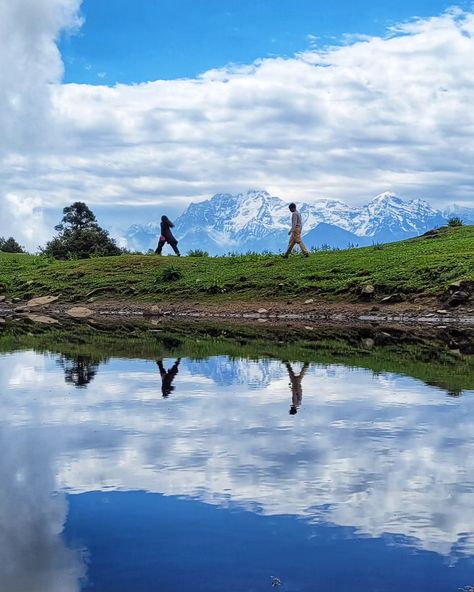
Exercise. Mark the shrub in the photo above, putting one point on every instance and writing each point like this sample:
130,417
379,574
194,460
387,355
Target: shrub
378,246
197,253
455,221
10,245
171,274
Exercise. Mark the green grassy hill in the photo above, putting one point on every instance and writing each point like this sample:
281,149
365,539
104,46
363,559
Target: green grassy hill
422,265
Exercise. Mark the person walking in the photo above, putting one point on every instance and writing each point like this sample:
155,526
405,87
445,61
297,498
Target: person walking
167,236
295,232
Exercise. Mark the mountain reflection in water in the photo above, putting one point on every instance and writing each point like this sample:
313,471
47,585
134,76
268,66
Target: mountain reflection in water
357,455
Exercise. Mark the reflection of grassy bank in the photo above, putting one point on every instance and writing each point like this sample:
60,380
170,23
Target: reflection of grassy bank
421,265
427,357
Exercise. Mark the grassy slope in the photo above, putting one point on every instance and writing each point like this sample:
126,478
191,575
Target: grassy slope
413,266
409,353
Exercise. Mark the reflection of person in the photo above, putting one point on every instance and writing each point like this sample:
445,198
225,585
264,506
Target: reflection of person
167,377
296,386
167,236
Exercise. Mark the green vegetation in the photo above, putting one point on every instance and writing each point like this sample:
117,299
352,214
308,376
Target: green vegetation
10,245
455,221
79,236
426,357
197,253
422,265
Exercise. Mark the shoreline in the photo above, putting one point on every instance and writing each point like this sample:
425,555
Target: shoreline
297,311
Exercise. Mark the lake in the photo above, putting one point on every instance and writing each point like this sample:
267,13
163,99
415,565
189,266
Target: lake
218,459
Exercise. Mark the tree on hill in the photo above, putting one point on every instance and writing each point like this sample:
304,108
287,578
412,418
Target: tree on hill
10,245
80,236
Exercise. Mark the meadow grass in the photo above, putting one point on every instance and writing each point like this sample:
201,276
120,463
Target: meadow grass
421,265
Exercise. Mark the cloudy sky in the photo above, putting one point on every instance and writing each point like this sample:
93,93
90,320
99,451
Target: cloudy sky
138,107
403,465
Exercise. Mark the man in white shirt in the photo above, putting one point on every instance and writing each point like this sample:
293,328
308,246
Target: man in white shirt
295,232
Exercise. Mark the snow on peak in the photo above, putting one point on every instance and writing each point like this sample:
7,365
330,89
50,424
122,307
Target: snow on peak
255,215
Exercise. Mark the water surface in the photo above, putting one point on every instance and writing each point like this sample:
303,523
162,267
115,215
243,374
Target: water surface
179,472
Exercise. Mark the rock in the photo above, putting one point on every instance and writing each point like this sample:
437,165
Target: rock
156,310
44,320
374,308
367,292
442,311
262,311
368,342
41,301
309,301
432,233
2,321
457,298
393,298
384,338
79,312
2,298
466,285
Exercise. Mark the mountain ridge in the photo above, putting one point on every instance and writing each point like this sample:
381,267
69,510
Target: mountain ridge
258,221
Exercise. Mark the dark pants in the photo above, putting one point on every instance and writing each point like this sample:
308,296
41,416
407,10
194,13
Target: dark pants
173,245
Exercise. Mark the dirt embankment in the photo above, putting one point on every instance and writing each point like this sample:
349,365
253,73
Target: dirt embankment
427,311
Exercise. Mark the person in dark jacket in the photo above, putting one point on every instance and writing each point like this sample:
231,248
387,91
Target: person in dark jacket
167,237
167,377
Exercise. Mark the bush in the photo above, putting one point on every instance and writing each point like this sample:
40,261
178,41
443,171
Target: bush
171,274
10,245
378,246
197,253
455,221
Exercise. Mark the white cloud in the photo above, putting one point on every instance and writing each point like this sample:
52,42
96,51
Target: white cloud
30,64
377,453
379,113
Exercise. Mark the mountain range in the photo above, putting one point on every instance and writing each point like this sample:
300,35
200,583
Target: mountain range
258,221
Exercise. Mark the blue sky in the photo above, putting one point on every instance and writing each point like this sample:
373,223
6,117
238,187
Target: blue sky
123,41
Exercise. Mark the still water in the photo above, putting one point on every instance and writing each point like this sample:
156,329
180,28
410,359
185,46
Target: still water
230,474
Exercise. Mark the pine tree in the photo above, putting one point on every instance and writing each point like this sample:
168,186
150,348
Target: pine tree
80,236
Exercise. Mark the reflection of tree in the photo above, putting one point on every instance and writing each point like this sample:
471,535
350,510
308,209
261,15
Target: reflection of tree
296,386
167,377
455,394
78,370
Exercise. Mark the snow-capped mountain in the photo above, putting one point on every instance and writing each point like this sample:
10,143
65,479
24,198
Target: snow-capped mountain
258,221
466,214
390,217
